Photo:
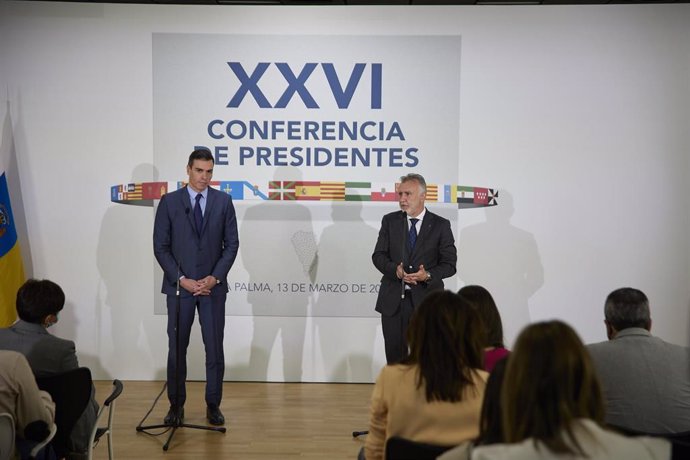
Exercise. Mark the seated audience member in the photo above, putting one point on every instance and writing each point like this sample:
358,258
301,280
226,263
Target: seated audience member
38,305
21,398
434,396
646,381
494,350
552,405
490,427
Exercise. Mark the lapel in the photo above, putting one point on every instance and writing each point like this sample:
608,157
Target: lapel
400,224
187,205
210,201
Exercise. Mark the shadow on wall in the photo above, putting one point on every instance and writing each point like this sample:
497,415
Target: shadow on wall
278,238
67,327
338,262
8,150
505,260
121,317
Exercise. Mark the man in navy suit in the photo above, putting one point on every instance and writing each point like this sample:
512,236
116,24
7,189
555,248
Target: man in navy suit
415,250
195,242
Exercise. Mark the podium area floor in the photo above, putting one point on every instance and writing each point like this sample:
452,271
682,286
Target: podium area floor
263,421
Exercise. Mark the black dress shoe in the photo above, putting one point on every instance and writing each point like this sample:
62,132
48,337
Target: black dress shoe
173,415
214,415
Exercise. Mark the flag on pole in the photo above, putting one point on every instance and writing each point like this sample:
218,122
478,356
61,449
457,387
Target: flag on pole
11,266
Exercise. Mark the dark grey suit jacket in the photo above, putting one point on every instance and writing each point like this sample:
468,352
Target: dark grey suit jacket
50,355
435,249
175,240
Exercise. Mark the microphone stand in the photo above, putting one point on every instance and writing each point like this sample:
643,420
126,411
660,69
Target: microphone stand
177,422
402,254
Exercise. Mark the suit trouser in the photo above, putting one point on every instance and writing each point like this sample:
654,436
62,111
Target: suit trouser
212,319
395,331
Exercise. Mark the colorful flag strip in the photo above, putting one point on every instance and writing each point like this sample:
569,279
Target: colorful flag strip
464,196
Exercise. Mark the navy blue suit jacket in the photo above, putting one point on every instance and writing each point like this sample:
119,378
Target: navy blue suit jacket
435,249
175,240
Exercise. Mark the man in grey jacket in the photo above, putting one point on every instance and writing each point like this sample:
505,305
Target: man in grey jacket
38,305
646,381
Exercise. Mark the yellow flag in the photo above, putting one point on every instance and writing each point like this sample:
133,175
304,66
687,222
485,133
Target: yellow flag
11,266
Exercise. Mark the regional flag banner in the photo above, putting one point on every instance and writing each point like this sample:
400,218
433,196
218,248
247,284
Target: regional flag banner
11,266
310,135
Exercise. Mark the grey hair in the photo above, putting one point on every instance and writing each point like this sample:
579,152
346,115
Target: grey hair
627,307
414,177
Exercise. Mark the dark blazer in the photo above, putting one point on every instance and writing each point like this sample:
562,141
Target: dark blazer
175,240
50,355
435,249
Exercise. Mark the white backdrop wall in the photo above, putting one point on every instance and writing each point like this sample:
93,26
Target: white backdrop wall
580,115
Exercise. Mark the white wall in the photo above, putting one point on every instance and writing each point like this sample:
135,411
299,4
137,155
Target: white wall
581,114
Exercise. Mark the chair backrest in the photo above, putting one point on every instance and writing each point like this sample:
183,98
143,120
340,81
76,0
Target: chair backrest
404,449
71,392
6,436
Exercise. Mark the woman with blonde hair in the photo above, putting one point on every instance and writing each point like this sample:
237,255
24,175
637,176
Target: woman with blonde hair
553,406
435,395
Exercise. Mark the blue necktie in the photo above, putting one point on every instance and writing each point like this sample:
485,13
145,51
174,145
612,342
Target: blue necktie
198,217
413,233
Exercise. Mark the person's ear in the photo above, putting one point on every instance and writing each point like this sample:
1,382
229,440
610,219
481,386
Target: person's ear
610,330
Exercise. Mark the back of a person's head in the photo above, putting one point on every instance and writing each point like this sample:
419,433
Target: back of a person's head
484,302
627,307
37,299
490,423
445,337
552,383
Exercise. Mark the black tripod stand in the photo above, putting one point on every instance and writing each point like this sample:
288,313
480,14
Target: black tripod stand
177,422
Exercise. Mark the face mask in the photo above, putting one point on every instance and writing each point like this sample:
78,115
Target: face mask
51,323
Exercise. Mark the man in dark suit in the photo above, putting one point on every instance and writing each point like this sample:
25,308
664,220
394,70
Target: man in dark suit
195,242
415,250
38,304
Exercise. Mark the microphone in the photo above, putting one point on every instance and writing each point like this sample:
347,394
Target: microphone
186,211
402,252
